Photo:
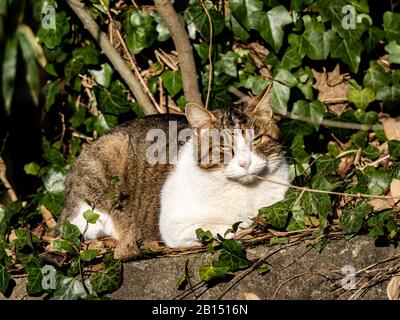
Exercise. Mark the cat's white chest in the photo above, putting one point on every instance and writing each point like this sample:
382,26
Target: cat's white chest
193,198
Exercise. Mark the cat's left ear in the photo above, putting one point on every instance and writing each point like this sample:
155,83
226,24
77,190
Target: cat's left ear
199,117
260,105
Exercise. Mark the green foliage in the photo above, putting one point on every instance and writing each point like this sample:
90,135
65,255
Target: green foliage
294,40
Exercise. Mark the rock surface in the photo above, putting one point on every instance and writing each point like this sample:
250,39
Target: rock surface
295,272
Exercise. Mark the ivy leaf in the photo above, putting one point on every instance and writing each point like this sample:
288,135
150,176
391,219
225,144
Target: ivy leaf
217,270
389,94
378,180
375,77
29,50
297,220
319,204
326,165
109,279
348,52
51,90
280,97
69,288
53,181
227,64
140,29
353,218
9,70
286,78
172,81
270,25
292,58
204,236
394,51
299,153
237,29
314,110
25,238
32,168
53,201
89,255
243,9
233,255
375,35
103,76
378,222
391,24
5,278
35,276
81,57
90,216
113,100
196,16
71,233
53,37
394,148
162,30
6,214
60,244
103,123
361,97
315,42
276,214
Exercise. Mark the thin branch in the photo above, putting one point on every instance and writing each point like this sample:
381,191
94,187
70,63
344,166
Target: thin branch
210,70
4,180
128,54
114,57
184,49
324,122
358,195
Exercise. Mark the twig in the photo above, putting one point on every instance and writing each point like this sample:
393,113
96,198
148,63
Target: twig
183,47
114,57
324,122
128,54
210,70
298,276
245,273
4,180
375,162
358,195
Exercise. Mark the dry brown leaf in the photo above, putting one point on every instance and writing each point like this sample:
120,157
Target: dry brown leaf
391,126
251,296
395,188
381,204
152,245
393,288
345,166
332,88
48,217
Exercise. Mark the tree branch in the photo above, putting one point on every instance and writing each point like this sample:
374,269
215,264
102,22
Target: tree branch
6,183
114,57
184,49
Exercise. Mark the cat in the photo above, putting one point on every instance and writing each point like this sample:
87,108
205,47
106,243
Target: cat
169,201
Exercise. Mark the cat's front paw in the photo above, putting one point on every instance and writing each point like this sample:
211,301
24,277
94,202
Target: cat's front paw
246,224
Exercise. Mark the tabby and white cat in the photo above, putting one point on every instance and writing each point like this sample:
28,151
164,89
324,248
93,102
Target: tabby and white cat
170,201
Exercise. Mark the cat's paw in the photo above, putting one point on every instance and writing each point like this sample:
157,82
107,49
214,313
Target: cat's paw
246,224
126,251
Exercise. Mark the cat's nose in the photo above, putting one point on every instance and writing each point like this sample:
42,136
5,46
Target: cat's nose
244,164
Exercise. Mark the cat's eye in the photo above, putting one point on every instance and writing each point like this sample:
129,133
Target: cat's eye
258,139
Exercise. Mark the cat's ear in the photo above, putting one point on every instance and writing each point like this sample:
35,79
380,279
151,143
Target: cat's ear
261,104
199,117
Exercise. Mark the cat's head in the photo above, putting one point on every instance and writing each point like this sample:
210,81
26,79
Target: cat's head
241,142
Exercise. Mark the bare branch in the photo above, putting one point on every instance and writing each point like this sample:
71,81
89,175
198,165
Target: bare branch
184,48
114,57
4,180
